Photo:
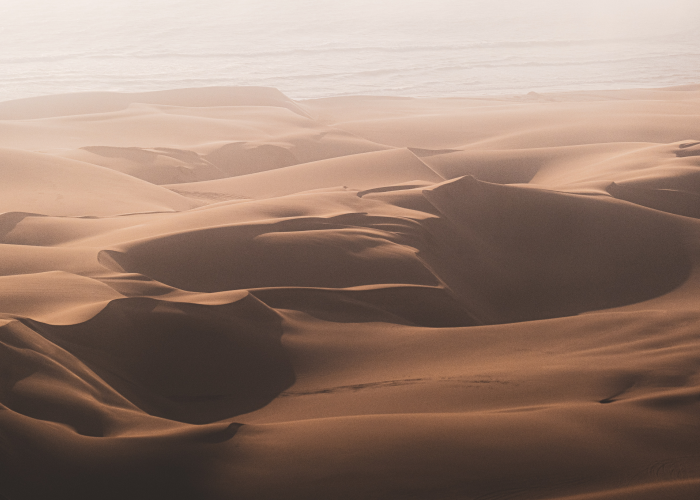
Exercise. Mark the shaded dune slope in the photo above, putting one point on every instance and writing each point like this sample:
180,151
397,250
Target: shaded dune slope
221,361
512,254
224,293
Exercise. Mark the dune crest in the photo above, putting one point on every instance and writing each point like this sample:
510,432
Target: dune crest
224,293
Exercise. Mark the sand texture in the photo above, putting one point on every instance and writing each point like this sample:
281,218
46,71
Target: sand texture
223,294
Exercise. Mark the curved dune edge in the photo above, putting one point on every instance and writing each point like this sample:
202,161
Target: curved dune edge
223,293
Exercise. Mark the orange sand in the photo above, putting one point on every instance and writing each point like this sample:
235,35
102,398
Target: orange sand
225,294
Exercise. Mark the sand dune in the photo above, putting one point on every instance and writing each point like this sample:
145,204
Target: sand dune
362,172
223,293
100,102
39,183
157,166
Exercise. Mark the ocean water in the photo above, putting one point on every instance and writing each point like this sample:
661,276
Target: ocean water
310,48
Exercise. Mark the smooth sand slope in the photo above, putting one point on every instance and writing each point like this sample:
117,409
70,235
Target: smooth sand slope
224,294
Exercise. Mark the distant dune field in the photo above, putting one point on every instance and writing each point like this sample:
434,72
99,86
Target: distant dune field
222,293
